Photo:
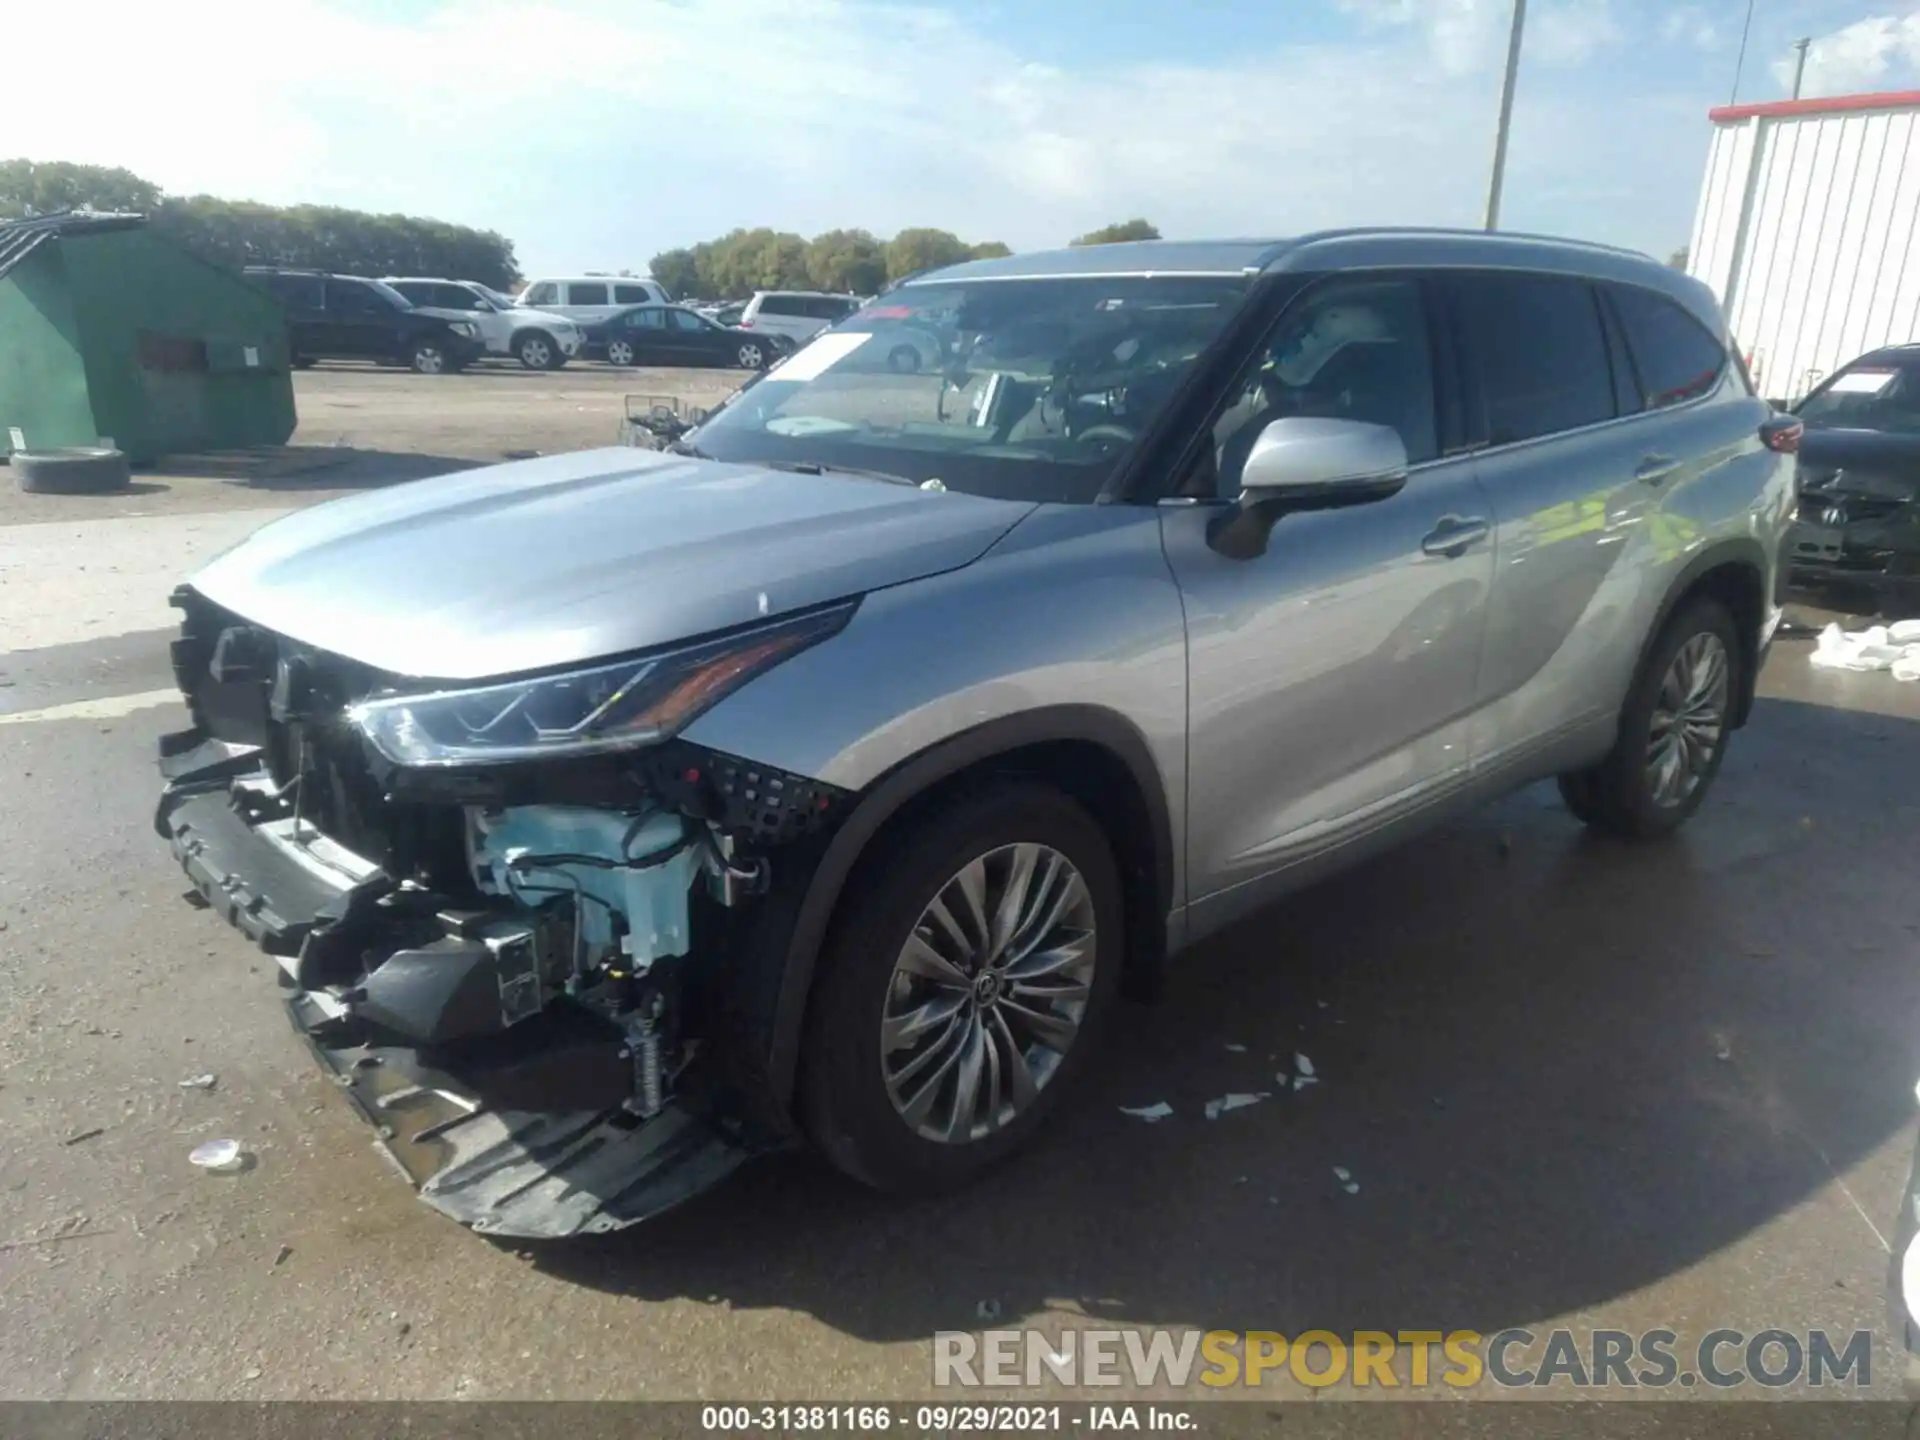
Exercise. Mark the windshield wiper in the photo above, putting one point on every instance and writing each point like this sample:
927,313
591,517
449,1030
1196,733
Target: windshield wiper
814,467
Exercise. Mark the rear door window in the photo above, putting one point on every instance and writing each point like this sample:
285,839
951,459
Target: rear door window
1538,351
1674,358
594,294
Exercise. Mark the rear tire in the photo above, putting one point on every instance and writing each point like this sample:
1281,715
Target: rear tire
975,1010
1674,730
619,352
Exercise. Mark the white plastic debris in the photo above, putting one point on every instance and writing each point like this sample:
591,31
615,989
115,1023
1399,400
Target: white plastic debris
1893,648
1217,1108
1300,1082
1302,1064
1236,1049
220,1156
1159,1110
199,1082
1347,1182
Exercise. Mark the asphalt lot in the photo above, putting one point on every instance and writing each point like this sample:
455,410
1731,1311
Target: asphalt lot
1577,1083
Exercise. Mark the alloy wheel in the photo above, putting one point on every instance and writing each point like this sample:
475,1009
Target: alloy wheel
428,360
620,352
1689,719
988,993
750,357
535,355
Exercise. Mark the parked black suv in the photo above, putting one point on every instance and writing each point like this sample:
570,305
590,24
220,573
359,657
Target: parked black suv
346,317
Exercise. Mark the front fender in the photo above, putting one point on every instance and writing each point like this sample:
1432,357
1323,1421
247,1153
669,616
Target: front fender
1070,630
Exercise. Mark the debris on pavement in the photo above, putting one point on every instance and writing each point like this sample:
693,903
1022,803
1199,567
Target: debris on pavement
199,1082
1347,1182
1159,1110
220,1156
1893,648
1302,1064
1217,1108
285,1254
1236,1049
79,1135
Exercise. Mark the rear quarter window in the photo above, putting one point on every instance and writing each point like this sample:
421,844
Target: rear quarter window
781,305
1675,359
631,295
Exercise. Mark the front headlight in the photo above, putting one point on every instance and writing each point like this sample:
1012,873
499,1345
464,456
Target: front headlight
616,706
464,327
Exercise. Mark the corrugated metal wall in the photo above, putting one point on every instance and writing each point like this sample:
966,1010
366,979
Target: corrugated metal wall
1804,229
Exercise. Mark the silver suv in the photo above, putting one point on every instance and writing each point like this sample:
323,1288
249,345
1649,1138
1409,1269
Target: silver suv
616,816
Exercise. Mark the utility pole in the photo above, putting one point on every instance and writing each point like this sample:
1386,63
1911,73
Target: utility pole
1506,115
1799,64
1740,63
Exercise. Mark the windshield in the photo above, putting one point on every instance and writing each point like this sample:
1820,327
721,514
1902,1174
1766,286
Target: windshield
392,296
1877,395
1020,389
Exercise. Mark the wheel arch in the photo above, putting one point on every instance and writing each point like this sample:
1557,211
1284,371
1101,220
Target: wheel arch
527,331
1092,754
1733,572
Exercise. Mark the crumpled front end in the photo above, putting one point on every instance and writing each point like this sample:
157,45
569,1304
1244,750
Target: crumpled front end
1857,529
537,980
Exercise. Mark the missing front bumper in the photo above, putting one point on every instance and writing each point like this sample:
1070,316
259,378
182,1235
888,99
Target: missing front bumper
531,1174
532,1137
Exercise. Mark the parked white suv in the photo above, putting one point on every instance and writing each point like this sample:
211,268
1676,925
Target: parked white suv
538,339
589,299
797,314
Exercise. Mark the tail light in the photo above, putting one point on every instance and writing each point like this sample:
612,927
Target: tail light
744,323
1782,435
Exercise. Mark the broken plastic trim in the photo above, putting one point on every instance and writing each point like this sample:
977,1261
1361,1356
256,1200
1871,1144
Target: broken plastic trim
617,706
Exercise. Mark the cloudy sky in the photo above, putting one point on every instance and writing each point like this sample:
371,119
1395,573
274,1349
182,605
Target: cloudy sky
597,132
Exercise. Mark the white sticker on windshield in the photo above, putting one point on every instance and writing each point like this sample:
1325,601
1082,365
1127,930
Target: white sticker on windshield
1862,382
814,360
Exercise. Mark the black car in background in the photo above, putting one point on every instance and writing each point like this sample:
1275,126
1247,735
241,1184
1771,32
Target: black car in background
1857,541
347,317
675,335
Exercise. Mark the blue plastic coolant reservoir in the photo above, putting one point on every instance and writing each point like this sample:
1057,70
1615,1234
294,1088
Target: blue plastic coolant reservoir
523,852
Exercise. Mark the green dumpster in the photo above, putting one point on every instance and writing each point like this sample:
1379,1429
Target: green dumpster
111,332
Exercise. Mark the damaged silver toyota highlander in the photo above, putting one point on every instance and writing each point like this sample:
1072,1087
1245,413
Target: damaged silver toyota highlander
616,816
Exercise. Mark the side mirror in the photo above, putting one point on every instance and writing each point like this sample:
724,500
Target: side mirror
1303,463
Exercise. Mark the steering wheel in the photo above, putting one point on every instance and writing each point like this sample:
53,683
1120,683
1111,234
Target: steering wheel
1105,438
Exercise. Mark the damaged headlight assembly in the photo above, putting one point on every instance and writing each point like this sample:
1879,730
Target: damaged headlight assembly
620,705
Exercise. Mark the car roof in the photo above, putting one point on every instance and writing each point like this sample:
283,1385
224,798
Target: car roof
808,294
1351,249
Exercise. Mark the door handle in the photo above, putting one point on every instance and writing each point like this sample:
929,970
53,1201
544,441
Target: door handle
1453,535
1655,468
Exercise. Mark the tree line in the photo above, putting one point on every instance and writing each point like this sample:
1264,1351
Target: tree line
854,262
234,233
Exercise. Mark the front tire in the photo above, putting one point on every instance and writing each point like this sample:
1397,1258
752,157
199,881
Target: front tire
429,357
537,351
964,986
1673,730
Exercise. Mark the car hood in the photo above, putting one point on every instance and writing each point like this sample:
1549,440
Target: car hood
1873,462
575,557
522,315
